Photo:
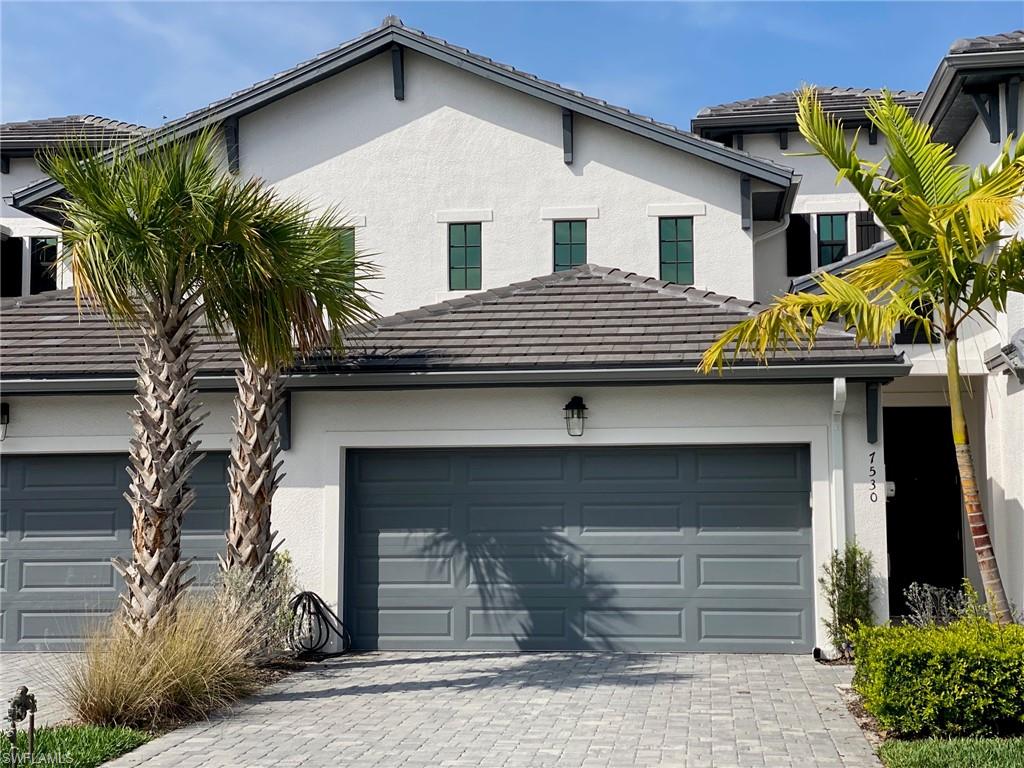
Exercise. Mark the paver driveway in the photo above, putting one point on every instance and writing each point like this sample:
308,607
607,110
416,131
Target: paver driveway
532,710
41,672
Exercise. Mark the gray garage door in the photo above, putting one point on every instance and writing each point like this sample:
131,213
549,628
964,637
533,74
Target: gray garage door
667,549
62,517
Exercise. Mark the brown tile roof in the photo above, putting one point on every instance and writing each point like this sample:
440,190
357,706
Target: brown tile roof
97,132
779,108
588,317
1004,41
45,336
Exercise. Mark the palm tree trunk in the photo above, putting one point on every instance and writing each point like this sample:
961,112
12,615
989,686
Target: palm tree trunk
162,455
254,470
995,593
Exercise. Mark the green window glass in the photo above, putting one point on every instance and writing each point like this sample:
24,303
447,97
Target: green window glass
347,243
675,245
831,238
570,244
464,257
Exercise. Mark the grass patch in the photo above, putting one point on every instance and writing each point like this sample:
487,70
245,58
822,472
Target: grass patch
82,746
953,753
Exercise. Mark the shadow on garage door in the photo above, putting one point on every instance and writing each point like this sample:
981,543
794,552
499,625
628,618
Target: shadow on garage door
676,548
62,517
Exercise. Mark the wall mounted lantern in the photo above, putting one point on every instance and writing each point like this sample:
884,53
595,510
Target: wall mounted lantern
575,415
5,419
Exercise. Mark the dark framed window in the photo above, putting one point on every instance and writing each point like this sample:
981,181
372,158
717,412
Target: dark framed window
831,238
347,239
44,265
798,245
570,244
464,257
675,249
868,232
10,267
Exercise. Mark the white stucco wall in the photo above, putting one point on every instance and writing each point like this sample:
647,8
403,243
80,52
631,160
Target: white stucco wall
309,506
459,145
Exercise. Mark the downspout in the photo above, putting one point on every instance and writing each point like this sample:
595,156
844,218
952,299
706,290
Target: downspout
773,231
838,461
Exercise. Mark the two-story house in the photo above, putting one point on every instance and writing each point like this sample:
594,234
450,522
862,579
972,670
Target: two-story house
520,454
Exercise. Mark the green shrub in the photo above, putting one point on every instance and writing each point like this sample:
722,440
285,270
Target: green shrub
83,746
848,590
962,679
180,670
263,604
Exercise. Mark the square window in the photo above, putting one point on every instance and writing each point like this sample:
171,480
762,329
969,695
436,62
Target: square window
675,249
464,251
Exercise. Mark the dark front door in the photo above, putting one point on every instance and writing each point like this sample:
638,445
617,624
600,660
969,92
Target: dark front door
629,549
923,519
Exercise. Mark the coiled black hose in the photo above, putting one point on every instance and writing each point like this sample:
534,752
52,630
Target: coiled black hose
313,624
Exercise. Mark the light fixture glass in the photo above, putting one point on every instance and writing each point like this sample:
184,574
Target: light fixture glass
575,415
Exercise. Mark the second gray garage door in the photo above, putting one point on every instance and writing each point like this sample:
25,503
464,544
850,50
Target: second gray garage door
632,549
62,517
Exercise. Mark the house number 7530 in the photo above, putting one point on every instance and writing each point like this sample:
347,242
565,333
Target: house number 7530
873,475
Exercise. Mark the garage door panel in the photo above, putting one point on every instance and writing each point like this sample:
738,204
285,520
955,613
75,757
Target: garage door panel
96,575
747,624
617,549
52,476
57,578
498,517
543,467
633,571
395,469
753,516
387,518
646,516
606,466
536,622
54,520
390,570
65,627
523,570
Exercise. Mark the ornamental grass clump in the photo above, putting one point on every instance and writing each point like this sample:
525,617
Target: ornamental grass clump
187,665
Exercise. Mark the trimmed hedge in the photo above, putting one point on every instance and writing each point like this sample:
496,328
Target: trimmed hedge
963,679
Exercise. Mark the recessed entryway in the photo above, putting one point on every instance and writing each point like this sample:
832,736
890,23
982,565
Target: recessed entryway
923,514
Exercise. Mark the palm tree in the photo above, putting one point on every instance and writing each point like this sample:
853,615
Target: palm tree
951,262
161,239
318,292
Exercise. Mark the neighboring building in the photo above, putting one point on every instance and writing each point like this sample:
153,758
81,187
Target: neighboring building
29,256
433,489
828,222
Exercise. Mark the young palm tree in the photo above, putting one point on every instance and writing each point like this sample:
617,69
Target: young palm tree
951,254
161,240
318,293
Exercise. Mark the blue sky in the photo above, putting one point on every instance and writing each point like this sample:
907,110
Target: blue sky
145,61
